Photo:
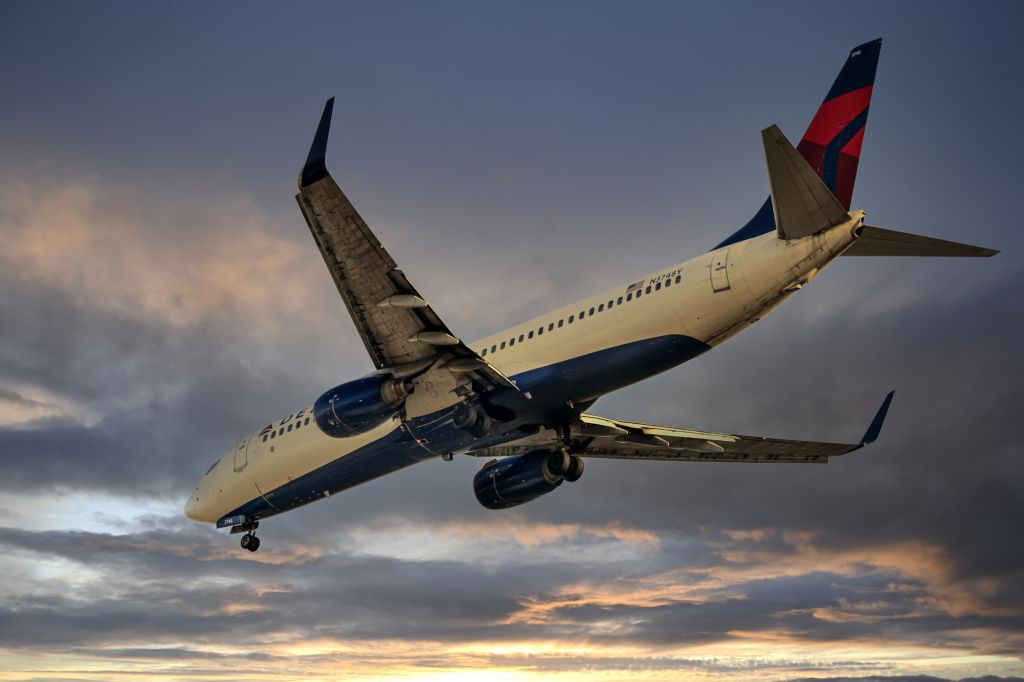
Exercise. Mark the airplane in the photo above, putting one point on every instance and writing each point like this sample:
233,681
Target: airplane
520,397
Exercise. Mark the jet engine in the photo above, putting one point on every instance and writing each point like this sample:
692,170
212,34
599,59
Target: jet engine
358,406
513,481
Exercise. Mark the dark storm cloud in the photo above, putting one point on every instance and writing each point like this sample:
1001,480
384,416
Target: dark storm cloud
18,399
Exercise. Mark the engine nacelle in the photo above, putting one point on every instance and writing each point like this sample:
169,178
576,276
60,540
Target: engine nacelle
357,406
513,481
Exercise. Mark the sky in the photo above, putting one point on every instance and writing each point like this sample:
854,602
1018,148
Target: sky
160,297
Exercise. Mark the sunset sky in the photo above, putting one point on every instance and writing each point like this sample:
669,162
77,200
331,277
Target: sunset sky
160,297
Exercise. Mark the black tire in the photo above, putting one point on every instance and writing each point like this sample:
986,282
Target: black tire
465,416
246,541
254,544
575,469
556,464
482,425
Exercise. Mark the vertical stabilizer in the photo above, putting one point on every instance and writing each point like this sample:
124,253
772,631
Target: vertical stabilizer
833,141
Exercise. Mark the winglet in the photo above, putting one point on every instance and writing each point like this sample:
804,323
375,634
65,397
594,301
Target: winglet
871,435
316,167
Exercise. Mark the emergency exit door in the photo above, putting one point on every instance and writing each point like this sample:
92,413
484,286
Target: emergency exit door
720,270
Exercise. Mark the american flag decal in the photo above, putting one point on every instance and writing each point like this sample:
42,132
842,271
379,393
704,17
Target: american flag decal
633,287
266,429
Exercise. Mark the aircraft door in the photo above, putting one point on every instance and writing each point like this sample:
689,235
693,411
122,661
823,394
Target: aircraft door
241,455
719,267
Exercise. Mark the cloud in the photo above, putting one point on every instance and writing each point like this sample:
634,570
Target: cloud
176,593
654,569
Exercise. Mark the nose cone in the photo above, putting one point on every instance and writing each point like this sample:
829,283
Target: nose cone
190,506
193,508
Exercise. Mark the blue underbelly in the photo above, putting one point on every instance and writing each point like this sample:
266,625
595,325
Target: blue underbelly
558,393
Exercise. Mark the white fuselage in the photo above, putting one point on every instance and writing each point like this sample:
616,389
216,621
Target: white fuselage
710,299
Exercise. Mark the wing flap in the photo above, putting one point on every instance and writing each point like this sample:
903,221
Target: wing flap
364,273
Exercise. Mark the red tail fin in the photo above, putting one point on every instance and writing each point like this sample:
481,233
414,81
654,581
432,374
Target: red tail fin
832,142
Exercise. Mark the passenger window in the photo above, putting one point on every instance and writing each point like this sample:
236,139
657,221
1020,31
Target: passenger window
306,422
298,424
273,434
483,353
520,338
560,324
600,308
530,336
590,312
668,282
629,297
494,349
512,342
570,319
503,345
678,278
648,289
264,439
280,431
657,287
619,301
552,326
289,427
582,314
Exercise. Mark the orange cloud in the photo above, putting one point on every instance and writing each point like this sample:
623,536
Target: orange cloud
136,255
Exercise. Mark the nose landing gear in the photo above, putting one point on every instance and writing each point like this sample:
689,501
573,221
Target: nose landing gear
250,542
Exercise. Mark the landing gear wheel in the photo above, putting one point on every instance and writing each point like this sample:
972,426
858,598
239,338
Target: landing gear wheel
250,542
575,469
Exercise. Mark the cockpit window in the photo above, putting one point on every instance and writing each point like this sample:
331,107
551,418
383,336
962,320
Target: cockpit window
212,467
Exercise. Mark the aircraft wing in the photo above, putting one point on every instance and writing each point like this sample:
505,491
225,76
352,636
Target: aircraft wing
594,436
400,329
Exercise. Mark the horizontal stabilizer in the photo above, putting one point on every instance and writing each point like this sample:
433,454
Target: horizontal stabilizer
875,241
802,202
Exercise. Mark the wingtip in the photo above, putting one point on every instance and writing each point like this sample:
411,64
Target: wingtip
315,167
871,435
